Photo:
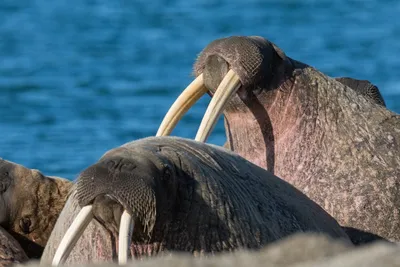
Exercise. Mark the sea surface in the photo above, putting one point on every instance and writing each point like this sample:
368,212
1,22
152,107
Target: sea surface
79,77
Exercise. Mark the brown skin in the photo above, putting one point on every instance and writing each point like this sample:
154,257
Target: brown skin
184,196
30,205
337,145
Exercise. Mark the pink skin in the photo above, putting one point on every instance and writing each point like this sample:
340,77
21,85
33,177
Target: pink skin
336,144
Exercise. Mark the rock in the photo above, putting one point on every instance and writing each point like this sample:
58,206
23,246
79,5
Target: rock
300,250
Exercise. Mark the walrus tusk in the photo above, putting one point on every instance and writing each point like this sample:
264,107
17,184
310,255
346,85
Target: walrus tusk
72,235
229,86
182,104
125,237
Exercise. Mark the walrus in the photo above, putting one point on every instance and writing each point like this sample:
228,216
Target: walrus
10,250
30,204
363,87
331,138
160,195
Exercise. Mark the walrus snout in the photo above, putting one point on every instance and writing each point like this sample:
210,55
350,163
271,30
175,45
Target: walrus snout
226,67
251,58
113,176
122,193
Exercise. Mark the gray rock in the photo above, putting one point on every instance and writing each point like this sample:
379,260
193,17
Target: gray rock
300,250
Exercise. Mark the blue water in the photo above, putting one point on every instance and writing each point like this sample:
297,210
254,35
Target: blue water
79,77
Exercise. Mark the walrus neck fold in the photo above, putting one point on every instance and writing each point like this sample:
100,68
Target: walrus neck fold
52,195
259,120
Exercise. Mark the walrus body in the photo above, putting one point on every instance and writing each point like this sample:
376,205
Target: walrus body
184,196
331,138
30,204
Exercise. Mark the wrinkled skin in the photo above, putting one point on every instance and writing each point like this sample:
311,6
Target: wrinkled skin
10,250
96,245
30,204
184,196
333,139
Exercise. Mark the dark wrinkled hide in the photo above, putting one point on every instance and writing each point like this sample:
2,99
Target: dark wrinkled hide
185,196
332,139
359,237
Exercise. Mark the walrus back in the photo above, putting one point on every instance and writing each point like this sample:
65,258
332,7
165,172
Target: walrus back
275,207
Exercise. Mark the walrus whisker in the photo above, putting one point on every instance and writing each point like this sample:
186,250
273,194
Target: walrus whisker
182,104
228,86
125,237
72,235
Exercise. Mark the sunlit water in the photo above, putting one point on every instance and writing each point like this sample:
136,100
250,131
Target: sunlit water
78,78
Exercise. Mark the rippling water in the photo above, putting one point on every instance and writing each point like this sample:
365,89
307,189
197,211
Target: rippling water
79,77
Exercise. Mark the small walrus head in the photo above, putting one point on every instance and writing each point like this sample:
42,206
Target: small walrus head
121,191
135,182
30,204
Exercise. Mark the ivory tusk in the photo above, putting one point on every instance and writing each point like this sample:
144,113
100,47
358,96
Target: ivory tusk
229,86
125,237
182,104
72,235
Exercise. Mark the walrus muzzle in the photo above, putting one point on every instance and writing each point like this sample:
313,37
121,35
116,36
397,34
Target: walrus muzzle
131,184
249,61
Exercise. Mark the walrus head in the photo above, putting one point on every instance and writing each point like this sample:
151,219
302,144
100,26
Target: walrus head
119,187
249,74
30,204
164,194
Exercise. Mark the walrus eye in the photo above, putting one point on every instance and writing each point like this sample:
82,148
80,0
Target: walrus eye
3,187
25,225
4,183
167,174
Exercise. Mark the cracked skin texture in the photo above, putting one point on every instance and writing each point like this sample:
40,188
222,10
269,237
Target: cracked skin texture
30,205
339,145
10,250
184,196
